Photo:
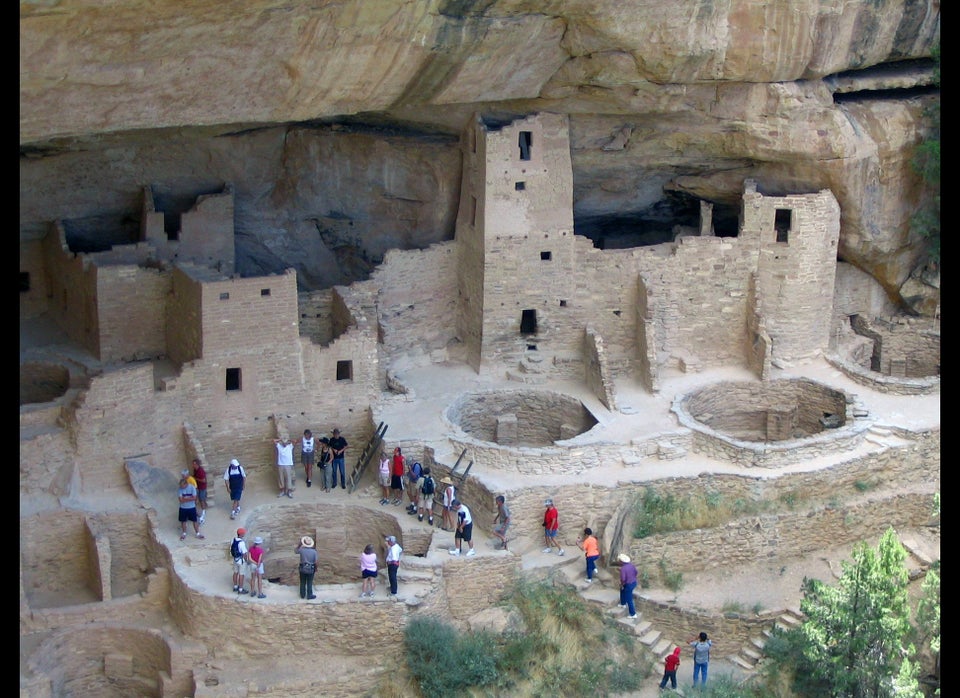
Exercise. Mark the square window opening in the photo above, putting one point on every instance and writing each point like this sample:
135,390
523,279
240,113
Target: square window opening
563,303
345,370
531,347
264,291
546,255
233,379
519,186
224,296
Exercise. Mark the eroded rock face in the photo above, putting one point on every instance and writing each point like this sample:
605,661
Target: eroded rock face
667,101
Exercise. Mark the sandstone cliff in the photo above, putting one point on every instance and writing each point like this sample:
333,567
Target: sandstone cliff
338,122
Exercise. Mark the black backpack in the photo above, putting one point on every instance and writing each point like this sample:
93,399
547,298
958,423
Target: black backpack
235,548
427,487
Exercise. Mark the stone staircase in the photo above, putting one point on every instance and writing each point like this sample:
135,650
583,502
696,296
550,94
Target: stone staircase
750,654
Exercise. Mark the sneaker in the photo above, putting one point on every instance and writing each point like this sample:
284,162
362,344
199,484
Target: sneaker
290,495
546,550
454,552
363,594
183,536
241,591
233,514
238,508
236,588
633,617
383,501
203,517
471,552
253,593
281,495
311,597
201,536
261,596
343,487
430,520
309,484
560,552
419,517
397,502
588,580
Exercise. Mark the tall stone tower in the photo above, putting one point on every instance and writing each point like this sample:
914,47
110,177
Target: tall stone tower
515,235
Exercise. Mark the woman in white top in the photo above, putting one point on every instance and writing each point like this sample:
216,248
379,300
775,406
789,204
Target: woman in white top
383,477
449,494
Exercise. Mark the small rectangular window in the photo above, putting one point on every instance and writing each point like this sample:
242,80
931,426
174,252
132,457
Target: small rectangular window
264,291
24,281
526,142
528,321
344,370
783,222
224,296
519,186
563,304
546,255
233,379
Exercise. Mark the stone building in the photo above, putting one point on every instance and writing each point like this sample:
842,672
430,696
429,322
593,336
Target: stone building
138,358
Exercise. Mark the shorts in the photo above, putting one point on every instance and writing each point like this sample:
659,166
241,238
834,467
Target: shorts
466,534
384,479
202,497
187,514
501,529
550,534
369,573
426,501
236,494
396,482
307,458
240,564
254,568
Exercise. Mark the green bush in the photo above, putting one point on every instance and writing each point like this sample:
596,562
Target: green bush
444,663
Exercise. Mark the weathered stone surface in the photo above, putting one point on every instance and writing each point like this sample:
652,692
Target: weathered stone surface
665,101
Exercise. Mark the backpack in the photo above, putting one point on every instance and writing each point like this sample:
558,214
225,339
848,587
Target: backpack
427,487
235,548
415,471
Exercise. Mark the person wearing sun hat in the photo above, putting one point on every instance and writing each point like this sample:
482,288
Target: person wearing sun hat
628,582
449,494
256,554
308,566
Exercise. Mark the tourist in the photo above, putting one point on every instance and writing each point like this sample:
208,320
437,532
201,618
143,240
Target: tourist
383,477
338,446
308,455
449,494
396,475
323,461
368,571
285,475
590,546
701,658
551,526
628,582
425,499
187,496
670,665
235,478
394,551
238,553
200,480
255,555
413,486
502,520
464,528
307,567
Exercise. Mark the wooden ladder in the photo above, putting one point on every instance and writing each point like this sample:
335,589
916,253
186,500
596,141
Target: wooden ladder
372,447
457,481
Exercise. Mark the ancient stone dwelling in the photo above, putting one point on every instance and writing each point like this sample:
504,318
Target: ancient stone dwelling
138,358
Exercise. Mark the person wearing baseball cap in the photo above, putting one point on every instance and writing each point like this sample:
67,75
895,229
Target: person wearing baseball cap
238,553
235,477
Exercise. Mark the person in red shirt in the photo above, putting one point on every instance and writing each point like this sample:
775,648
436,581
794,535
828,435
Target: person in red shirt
200,475
397,471
551,525
670,664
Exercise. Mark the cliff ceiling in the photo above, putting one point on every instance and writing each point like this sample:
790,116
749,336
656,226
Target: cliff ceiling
337,122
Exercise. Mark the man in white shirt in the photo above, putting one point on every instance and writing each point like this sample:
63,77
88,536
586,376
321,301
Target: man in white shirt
464,528
285,466
393,562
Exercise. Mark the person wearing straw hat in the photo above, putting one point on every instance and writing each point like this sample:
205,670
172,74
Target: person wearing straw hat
628,582
308,567
449,494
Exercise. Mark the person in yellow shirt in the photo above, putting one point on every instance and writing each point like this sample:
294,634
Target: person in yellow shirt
590,546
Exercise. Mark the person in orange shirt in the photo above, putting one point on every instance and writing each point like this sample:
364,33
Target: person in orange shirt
591,550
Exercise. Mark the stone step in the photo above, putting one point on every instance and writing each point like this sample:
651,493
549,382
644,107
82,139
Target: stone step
750,654
651,637
661,648
758,642
742,663
642,627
